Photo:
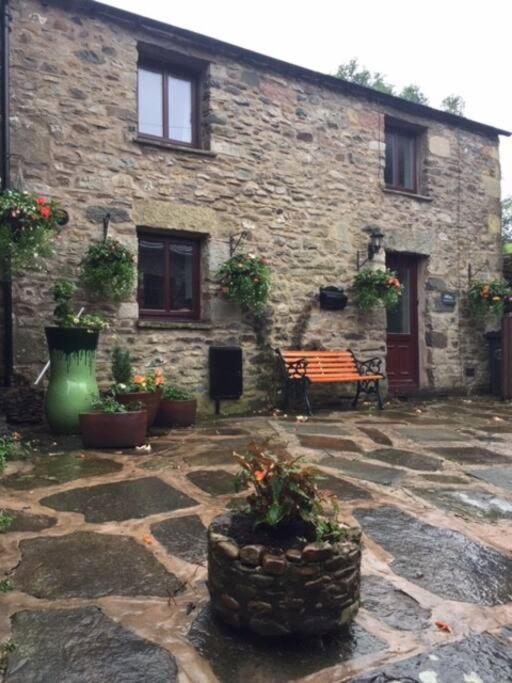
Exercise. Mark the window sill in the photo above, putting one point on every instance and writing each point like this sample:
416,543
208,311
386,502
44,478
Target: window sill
175,324
164,144
404,193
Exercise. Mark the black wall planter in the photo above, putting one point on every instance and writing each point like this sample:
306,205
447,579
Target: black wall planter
333,298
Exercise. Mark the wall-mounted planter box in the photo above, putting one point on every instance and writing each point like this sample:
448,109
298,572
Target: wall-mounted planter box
332,298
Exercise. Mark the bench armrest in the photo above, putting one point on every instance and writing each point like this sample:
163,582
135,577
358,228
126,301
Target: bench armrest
293,369
372,366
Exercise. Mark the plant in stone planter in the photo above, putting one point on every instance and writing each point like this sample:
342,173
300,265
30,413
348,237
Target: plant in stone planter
107,271
12,448
245,278
28,225
72,345
493,297
286,564
110,424
178,407
129,386
374,288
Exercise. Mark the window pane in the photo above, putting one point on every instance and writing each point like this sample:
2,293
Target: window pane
180,109
388,171
406,162
182,276
151,274
399,318
150,103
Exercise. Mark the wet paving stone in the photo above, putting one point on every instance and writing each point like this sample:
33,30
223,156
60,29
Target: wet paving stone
431,434
22,520
132,499
245,658
89,565
445,479
473,455
377,436
497,476
58,469
343,489
479,504
363,470
222,431
480,659
329,443
392,606
184,537
440,560
316,428
214,482
219,455
408,459
79,645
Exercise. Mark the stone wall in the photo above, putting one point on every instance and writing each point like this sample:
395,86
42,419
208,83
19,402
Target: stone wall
298,165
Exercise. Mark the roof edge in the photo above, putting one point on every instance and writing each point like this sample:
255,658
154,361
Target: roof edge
234,51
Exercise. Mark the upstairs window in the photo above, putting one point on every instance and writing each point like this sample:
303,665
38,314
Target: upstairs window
169,277
167,104
401,170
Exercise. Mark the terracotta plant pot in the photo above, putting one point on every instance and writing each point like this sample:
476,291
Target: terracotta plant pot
149,399
114,430
177,413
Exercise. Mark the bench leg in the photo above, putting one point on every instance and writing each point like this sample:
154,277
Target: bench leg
307,403
379,397
356,397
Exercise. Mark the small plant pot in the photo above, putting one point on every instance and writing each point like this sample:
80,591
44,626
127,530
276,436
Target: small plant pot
114,430
177,413
149,399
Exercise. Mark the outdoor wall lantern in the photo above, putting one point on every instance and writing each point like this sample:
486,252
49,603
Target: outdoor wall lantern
375,243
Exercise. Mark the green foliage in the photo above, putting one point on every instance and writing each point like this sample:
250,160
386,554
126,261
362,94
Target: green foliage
245,278
28,225
6,585
5,522
121,365
62,292
506,219
374,288
174,393
413,93
355,73
108,271
488,297
454,104
108,404
12,448
284,491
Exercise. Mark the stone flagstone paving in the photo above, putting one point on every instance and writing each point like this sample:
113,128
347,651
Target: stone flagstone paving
106,559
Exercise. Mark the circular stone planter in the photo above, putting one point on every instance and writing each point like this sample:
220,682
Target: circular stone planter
177,413
298,588
149,399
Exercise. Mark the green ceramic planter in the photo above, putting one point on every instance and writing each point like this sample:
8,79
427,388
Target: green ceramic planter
72,388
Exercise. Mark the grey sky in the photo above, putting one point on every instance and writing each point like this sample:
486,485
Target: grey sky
445,46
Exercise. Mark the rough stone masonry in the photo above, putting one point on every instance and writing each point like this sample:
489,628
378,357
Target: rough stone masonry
293,159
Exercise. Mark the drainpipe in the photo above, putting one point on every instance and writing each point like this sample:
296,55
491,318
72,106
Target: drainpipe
5,157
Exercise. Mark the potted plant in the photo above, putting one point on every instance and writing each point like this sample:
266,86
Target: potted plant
492,297
72,346
129,386
110,424
178,407
286,564
374,288
245,278
107,271
28,225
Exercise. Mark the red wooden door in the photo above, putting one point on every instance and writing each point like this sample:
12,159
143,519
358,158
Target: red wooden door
402,326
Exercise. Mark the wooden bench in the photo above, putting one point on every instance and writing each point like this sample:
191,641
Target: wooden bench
302,368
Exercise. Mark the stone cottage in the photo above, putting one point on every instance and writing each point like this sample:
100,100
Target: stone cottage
192,144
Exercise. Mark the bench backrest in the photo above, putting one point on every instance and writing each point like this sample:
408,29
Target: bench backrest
324,364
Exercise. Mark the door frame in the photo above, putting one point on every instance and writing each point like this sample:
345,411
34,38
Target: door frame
414,261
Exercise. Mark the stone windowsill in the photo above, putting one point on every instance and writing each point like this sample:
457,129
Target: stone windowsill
412,195
175,324
164,144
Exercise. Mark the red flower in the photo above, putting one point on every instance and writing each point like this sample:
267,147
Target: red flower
41,201
45,211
